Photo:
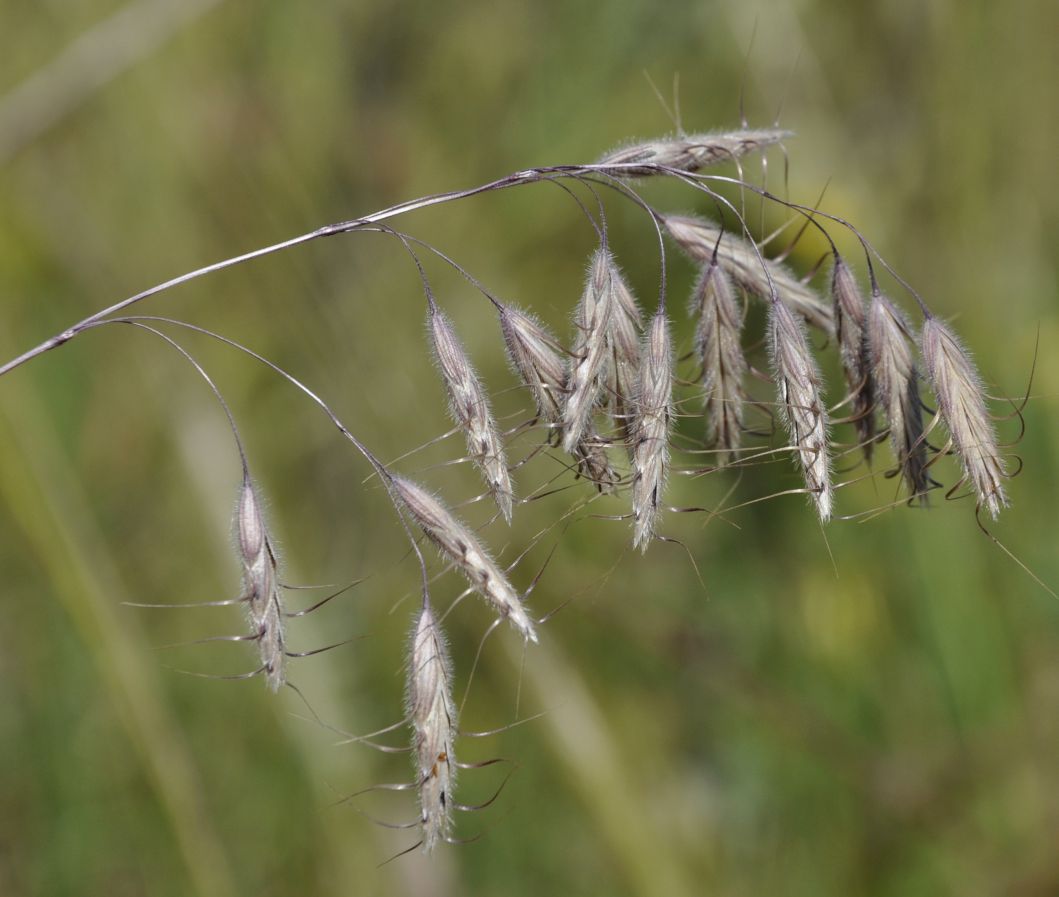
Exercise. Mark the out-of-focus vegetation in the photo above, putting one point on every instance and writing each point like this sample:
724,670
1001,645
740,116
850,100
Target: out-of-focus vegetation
881,723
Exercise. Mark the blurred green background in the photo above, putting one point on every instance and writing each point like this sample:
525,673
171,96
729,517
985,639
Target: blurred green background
882,724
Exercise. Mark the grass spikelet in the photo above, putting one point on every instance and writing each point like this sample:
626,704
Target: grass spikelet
531,350
897,388
461,547
623,343
590,350
798,381
718,330
653,419
688,152
851,325
261,588
960,398
698,238
433,716
470,409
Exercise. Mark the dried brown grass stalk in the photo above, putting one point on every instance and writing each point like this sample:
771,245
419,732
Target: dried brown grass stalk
433,716
718,329
799,384
461,547
689,152
698,238
470,409
897,389
961,400
851,325
261,585
651,432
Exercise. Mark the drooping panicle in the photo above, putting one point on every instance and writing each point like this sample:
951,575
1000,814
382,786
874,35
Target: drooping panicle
851,324
457,544
653,419
699,237
589,355
470,409
433,716
801,403
718,332
896,377
688,152
261,586
961,401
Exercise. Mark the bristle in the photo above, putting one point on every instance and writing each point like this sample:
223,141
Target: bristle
587,367
698,238
688,152
718,332
651,432
470,409
961,400
433,715
851,325
897,388
261,588
798,381
458,544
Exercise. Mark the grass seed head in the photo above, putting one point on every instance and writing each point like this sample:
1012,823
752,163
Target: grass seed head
961,400
461,547
851,324
653,420
470,409
588,364
799,384
540,367
433,716
896,377
623,350
688,152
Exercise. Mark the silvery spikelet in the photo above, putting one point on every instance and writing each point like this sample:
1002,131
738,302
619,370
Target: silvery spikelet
470,409
698,238
688,152
718,331
799,385
897,390
457,544
651,431
433,716
531,351
851,324
261,585
960,398
589,356
623,349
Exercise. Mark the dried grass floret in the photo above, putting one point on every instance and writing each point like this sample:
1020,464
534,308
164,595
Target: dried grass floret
962,404
897,389
851,325
718,331
589,354
470,409
433,716
456,543
625,323
651,431
532,353
799,384
689,152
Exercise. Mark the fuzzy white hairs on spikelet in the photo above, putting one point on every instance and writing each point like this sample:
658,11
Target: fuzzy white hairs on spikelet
433,716
588,365
851,324
261,587
798,381
457,544
651,431
470,409
689,152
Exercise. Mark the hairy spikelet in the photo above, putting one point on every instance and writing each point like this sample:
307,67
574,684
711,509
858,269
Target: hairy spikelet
456,543
540,367
897,390
651,431
698,237
718,329
261,587
799,384
593,462
688,152
588,364
961,400
470,409
851,324
433,716
625,322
